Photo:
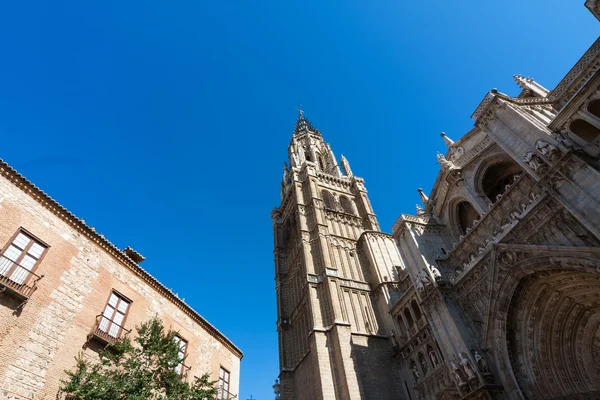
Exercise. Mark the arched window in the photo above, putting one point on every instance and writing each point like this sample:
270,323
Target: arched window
321,162
423,363
346,205
416,309
497,177
307,156
584,130
466,215
408,318
328,199
594,108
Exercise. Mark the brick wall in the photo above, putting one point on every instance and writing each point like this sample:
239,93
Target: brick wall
41,339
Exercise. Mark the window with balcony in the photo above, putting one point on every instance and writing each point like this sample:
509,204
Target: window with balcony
223,388
18,261
181,352
110,324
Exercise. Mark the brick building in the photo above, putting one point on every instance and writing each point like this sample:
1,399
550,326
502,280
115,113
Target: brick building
58,277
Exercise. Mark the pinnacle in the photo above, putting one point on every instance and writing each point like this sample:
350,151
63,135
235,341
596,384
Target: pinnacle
449,142
304,125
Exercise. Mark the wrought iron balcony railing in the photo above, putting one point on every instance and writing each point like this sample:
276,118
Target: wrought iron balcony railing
223,394
17,279
107,331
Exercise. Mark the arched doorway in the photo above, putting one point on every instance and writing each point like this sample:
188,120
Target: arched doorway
553,335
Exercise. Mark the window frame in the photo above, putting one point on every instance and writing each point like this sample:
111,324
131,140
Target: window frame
181,362
111,321
33,239
220,393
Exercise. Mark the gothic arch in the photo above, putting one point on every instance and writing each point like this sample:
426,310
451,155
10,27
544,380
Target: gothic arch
593,107
328,199
544,323
346,205
461,216
493,174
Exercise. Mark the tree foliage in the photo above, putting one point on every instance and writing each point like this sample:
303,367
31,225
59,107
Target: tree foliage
140,370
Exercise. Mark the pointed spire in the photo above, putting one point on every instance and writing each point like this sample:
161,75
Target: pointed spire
302,124
424,197
449,142
531,85
346,166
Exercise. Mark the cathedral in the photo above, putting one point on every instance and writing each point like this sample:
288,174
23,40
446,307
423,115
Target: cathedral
491,290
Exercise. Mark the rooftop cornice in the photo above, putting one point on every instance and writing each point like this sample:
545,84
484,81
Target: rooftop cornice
594,7
79,224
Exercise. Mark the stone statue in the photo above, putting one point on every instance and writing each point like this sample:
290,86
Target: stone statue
481,363
467,367
457,372
424,279
532,160
433,358
436,273
443,162
419,210
546,149
416,373
393,338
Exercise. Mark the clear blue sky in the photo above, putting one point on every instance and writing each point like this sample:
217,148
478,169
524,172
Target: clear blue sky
162,120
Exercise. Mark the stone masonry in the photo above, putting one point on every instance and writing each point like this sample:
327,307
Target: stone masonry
41,335
491,290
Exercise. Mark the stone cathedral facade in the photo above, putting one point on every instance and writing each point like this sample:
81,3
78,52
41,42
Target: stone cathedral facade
490,291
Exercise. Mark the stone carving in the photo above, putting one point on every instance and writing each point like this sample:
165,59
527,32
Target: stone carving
393,338
456,153
433,358
436,274
467,367
419,210
415,371
546,149
444,162
423,280
534,162
481,363
457,372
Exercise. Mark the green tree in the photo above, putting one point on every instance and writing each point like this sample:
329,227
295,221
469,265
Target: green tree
140,370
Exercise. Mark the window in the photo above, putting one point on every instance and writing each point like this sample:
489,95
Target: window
466,216
113,317
346,205
328,200
584,130
497,177
21,257
182,347
223,392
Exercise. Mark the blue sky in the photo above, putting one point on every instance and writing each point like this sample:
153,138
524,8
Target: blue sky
165,124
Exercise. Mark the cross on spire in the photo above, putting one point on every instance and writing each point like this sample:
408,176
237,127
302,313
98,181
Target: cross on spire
300,114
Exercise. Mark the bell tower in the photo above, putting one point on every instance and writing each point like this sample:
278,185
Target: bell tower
331,331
